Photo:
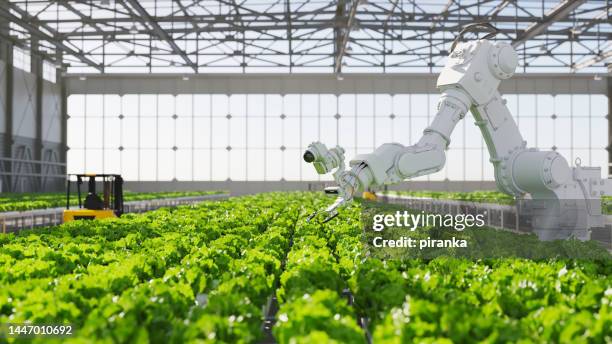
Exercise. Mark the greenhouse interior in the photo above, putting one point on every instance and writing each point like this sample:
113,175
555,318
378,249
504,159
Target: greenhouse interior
308,171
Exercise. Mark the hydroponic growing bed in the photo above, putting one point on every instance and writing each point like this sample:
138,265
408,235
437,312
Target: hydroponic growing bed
207,274
484,196
30,201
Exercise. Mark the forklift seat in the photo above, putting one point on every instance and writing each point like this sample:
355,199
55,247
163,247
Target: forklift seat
93,202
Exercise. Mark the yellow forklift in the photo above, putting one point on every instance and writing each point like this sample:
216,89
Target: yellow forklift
95,207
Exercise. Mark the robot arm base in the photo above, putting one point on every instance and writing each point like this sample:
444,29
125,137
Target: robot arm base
565,202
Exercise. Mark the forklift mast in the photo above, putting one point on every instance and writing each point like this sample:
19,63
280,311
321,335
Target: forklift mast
118,192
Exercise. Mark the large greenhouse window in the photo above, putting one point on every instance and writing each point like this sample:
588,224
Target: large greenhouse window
204,137
49,71
21,59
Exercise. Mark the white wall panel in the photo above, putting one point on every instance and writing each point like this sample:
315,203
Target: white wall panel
24,98
51,112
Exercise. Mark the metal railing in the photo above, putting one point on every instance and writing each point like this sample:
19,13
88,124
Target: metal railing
15,221
33,173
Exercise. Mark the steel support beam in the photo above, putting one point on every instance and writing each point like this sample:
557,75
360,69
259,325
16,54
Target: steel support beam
276,83
609,117
290,32
500,7
26,46
8,111
593,60
163,35
346,32
63,156
26,21
247,37
562,10
37,70
319,24
454,16
584,27
340,10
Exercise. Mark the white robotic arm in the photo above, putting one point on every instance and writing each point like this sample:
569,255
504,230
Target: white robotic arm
566,201
391,162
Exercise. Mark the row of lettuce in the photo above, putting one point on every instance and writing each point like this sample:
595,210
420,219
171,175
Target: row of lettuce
168,276
498,301
31,201
201,273
313,304
435,301
206,274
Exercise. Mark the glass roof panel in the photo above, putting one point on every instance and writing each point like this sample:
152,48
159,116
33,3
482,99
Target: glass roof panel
331,36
